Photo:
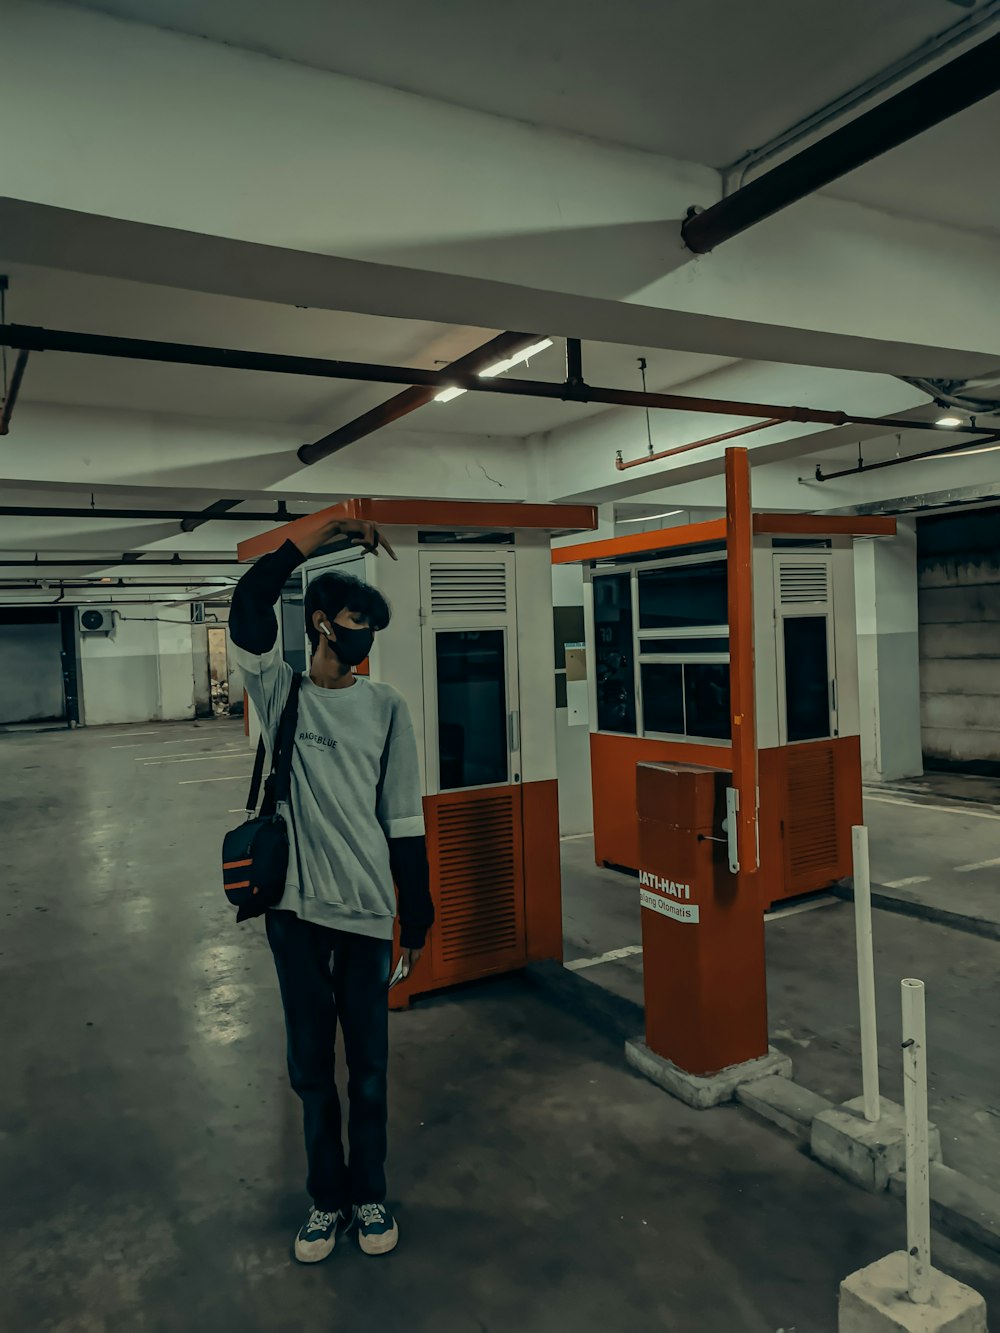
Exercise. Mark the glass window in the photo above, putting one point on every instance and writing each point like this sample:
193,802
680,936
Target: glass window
472,708
679,596
706,699
687,645
807,678
663,697
615,663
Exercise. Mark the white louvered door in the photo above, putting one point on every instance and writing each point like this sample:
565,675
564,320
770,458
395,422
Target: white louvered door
804,638
469,648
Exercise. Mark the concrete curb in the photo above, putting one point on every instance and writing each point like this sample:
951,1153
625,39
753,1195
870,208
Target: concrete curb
971,925
962,1208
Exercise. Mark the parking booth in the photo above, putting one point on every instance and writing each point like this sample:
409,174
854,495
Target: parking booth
470,647
725,746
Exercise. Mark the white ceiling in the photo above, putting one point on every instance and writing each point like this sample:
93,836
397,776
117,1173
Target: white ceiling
700,81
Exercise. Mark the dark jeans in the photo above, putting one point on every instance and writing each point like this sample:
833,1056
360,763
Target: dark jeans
326,975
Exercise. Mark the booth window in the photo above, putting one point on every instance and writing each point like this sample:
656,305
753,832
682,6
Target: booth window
615,653
681,596
807,678
684,648
472,708
293,624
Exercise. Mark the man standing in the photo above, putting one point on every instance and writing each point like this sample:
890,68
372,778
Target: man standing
355,822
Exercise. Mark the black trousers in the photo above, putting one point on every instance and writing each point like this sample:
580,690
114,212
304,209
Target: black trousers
329,975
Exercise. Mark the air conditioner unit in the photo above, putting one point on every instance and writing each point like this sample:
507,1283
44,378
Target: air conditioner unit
96,619
197,613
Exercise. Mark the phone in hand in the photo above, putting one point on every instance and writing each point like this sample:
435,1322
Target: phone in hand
399,974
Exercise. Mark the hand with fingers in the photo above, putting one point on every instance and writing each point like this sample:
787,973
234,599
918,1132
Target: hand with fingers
358,531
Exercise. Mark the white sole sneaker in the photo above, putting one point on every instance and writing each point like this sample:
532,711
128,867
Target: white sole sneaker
313,1251
383,1244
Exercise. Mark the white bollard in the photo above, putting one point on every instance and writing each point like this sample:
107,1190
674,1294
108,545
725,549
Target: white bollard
866,972
918,1199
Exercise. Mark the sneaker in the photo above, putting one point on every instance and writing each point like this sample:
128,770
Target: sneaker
377,1229
318,1237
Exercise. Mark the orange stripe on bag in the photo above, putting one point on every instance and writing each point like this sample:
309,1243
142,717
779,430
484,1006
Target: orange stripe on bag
234,865
243,884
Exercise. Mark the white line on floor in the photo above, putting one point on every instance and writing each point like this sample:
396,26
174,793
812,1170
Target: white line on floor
905,883
780,912
946,809
181,759
578,964
979,865
235,777
127,733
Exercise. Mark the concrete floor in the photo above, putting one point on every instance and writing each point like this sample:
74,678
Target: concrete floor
150,1150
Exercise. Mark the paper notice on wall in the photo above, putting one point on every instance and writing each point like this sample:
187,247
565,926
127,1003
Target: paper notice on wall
577,693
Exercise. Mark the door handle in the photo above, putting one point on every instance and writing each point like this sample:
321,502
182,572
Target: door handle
514,730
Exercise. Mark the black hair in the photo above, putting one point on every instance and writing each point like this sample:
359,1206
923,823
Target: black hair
333,592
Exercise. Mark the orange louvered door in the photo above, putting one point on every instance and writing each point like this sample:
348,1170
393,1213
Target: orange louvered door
813,841
474,843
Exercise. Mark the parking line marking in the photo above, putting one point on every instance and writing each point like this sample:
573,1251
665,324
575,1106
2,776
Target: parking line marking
946,809
979,865
187,756
578,964
904,883
235,777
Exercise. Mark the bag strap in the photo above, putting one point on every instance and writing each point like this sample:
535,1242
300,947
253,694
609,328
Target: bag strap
281,759
285,741
258,773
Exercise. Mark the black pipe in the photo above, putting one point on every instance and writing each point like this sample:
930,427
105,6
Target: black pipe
279,515
910,458
952,88
574,363
7,406
501,347
112,562
213,510
118,584
137,349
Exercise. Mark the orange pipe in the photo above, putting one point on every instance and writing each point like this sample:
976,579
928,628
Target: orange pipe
622,466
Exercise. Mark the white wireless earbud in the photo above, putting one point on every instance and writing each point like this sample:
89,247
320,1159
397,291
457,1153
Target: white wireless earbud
326,629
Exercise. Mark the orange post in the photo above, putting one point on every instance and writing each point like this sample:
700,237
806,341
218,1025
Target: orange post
702,922
742,709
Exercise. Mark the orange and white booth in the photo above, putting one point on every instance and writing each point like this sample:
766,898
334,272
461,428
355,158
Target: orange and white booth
725,751
470,647
658,631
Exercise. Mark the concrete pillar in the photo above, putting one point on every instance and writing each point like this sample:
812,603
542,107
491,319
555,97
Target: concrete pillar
889,655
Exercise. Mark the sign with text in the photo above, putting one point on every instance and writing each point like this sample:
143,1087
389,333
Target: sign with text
668,897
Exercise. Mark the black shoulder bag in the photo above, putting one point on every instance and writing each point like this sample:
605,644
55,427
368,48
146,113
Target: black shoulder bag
255,855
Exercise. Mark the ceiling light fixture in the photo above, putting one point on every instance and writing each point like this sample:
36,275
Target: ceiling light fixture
648,518
949,422
519,359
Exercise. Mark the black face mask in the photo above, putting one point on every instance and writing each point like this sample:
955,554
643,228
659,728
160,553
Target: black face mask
352,646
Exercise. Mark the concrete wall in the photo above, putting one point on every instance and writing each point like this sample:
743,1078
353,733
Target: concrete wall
31,684
959,591
142,672
888,655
